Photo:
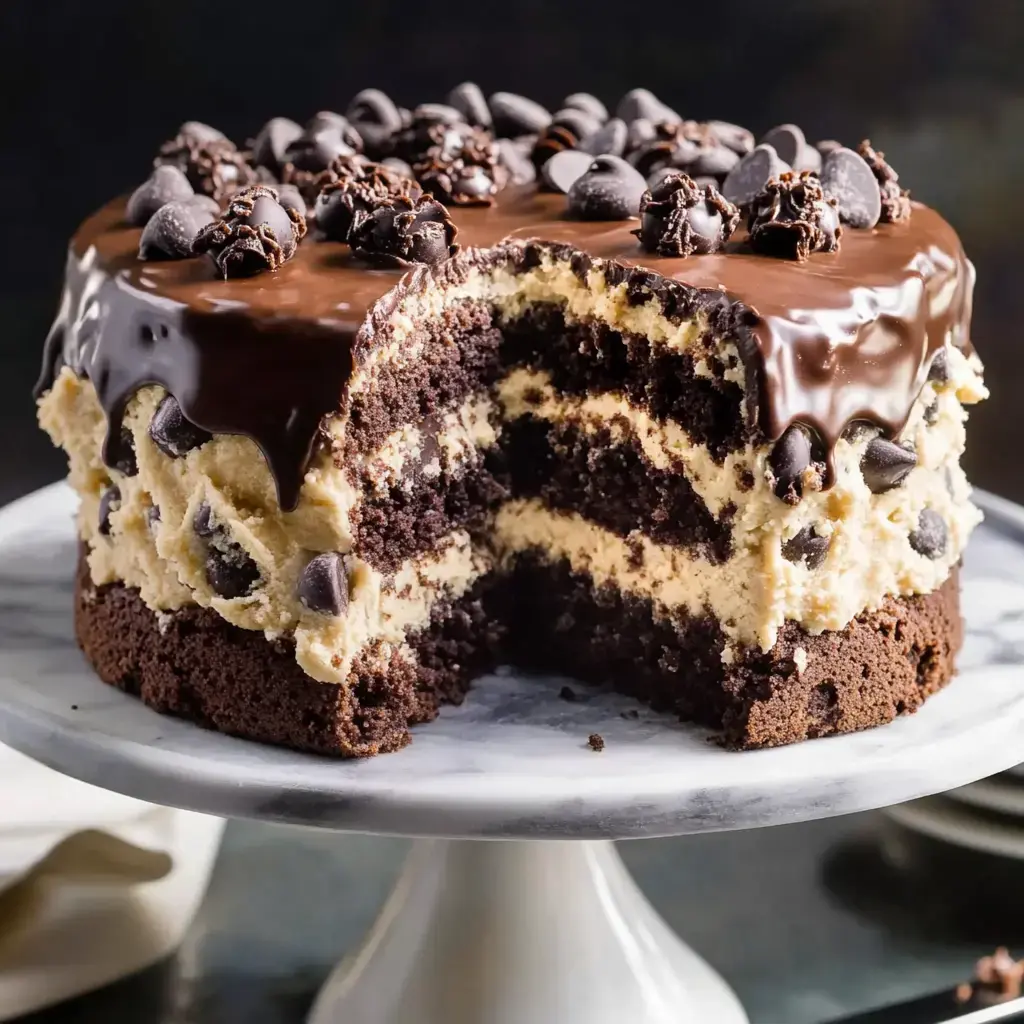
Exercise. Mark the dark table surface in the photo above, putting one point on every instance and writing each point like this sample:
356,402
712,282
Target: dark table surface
805,921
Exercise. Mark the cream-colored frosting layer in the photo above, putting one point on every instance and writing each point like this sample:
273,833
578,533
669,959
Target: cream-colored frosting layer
165,560
757,589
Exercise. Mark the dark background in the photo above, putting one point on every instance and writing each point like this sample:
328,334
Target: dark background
88,90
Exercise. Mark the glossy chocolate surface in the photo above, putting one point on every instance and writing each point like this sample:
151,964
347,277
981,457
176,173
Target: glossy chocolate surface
841,337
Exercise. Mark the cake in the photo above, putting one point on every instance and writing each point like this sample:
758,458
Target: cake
375,404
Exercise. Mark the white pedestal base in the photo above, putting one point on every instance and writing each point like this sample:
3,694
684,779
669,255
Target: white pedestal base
481,932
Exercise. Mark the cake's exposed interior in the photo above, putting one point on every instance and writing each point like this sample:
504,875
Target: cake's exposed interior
315,502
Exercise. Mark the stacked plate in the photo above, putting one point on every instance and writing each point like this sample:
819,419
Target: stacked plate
986,816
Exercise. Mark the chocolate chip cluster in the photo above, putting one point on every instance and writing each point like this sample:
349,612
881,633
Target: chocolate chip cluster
340,169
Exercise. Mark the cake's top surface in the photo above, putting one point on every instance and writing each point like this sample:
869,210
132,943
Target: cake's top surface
846,332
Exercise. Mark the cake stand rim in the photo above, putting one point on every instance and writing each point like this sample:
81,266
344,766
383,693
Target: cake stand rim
237,778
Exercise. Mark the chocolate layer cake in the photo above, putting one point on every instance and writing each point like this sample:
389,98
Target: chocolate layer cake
377,403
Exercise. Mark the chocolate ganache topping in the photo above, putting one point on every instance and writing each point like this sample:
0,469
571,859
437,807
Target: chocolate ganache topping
841,337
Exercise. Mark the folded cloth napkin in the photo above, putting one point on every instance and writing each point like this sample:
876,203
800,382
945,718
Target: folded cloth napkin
93,885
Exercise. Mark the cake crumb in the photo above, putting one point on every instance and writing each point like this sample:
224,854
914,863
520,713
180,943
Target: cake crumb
596,741
569,694
997,979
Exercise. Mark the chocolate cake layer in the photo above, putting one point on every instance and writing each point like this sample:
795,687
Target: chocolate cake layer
194,665
609,482
461,356
589,356
416,516
883,664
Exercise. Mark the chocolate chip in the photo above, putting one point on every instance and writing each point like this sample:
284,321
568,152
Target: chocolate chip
169,233
787,140
679,218
374,115
792,217
788,463
554,139
639,133
808,160
172,433
256,233
895,200
230,571
846,176
167,184
563,169
201,133
202,521
440,113
519,166
931,536
609,190
825,146
931,412
335,122
643,103
751,175
272,142
401,232
315,148
588,103
516,115
609,138
469,101
734,137
289,195
125,460
110,501
807,547
939,369
886,464
400,167
323,584
576,121
713,161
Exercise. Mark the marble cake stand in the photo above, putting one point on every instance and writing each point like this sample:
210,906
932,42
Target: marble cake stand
520,932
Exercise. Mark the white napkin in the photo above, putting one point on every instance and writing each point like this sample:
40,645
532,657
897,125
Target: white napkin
93,885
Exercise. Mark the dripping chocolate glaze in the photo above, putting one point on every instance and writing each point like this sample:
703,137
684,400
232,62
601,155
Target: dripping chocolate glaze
842,337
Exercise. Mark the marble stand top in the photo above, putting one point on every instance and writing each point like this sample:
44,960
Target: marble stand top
513,761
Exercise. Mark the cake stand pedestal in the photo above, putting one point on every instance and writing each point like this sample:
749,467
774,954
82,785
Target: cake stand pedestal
535,926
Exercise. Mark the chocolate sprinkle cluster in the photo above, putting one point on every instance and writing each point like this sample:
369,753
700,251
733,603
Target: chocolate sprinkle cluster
255,233
213,165
461,167
357,189
402,231
678,217
793,217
